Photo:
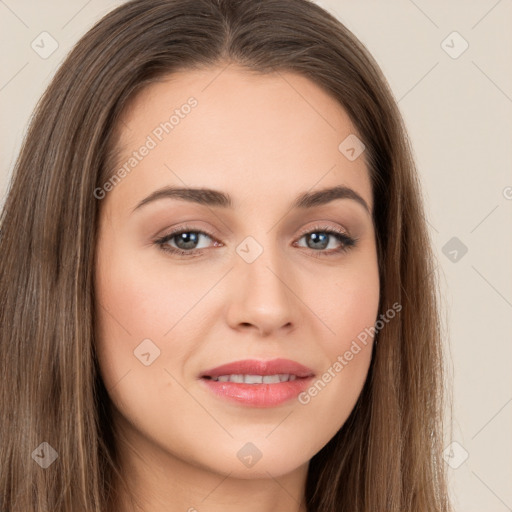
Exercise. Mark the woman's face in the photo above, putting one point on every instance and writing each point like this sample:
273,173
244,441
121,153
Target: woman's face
259,278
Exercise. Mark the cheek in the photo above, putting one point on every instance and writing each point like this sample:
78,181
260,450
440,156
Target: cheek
137,309
142,299
348,307
354,309
139,301
349,350
347,304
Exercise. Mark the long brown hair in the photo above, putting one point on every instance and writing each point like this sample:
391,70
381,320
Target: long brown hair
387,456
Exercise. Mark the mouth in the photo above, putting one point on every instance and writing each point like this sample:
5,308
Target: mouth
255,379
260,368
258,383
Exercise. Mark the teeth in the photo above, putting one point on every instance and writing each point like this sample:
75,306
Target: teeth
253,379
256,379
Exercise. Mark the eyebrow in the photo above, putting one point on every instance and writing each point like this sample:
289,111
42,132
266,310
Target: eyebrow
210,197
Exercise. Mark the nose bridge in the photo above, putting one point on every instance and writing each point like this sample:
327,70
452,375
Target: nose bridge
264,297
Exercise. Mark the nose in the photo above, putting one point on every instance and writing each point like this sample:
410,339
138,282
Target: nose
264,298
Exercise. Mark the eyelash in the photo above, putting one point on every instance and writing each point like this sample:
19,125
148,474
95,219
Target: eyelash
346,241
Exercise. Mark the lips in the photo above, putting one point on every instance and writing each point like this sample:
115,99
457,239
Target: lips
249,382
258,367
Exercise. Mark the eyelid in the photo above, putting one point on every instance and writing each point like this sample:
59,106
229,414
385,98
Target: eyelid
211,232
320,226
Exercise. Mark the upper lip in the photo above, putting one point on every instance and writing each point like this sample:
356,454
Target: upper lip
259,367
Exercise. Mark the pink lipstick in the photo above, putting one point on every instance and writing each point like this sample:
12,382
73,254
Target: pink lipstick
258,383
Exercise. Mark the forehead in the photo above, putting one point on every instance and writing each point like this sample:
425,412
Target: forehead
246,132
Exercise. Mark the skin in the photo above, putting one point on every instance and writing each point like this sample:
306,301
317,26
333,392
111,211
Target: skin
264,139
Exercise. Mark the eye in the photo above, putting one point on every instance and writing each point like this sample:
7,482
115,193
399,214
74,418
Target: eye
185,241
319,238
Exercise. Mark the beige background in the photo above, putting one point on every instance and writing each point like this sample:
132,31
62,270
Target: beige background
459,115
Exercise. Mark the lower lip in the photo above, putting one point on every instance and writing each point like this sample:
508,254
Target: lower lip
258,395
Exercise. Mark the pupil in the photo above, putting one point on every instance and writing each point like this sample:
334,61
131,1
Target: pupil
189,240
317,239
